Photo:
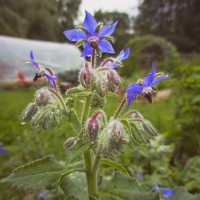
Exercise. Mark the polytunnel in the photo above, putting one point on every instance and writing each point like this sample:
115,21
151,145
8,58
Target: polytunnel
14,52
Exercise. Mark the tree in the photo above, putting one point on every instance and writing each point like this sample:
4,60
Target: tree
68,13
122,31
175,20
38,19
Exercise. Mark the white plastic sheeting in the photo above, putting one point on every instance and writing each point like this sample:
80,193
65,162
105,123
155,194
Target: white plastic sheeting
14,52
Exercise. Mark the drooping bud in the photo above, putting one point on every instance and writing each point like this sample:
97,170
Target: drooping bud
116,130
42,97
114,80
70,142
101,87
28,112
92,125
91,129
86,76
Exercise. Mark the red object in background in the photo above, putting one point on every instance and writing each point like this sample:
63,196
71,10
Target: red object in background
21,77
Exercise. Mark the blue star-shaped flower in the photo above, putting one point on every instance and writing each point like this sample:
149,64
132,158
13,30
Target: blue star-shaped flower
122,55
92,35
166,192
144,86
41,71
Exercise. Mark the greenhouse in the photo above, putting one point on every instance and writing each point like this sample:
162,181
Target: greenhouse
15,51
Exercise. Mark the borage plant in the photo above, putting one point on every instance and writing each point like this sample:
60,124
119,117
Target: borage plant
97,140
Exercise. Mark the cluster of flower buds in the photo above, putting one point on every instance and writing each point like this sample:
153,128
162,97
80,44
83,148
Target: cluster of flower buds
102,79
112,138
92,126
141,130
44,111
107,80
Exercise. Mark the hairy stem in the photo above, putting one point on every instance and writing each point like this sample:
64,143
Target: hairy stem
120,107
88,158
93,58
95,168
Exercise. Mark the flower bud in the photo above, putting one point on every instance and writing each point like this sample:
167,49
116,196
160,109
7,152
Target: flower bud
101,87
42,97
97,101
51,120
47,117
114,80
28,112
103,142
116,130
86,76
70,142
91,129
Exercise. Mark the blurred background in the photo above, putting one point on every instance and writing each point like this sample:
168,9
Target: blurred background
166,32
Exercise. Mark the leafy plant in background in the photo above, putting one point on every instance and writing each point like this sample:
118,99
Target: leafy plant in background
69,76
187,114
97,140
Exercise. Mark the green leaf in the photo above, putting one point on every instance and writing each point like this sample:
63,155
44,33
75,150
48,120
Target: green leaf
41,174
77,166
75,122
75,185
182,194
78,92
191,170
115,165
123,187
80,42
76,151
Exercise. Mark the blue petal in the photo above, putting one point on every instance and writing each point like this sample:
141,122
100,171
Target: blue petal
155,187
131,97
31,55
107,30
127,53
51,84
87,50
50,77
121,55
2,150
75,35
167,192
134,87
89,23
35,64
105,46
148,79
158,79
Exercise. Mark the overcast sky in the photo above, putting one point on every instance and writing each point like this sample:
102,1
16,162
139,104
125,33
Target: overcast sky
128,6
